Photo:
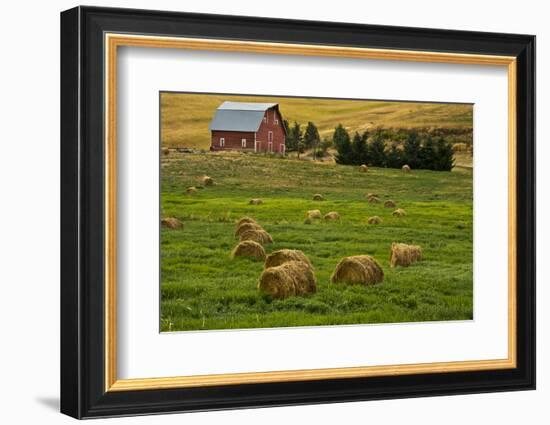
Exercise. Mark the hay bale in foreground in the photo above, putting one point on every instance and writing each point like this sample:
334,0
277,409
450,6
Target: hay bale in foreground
313,214
245,227
406,168
171,223
276,258
390,204
256,201
399,212
245,220
373,200
333,215
257,235
374,220
358,270
207,181
363,168
318,197
249,249
404,255
287,280
191,189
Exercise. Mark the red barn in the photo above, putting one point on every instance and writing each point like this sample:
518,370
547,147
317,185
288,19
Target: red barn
255,127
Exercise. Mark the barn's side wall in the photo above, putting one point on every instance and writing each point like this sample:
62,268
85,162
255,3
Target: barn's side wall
277,129
233,140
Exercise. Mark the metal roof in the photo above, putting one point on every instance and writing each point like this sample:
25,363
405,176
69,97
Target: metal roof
239,116
246,106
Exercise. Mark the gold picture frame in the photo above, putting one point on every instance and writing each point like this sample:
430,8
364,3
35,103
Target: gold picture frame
113,41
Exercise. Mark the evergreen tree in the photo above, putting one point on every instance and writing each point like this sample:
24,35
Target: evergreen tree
294,137
411,150
311,136
287,130
359,149
377,152
365,158
428,155
342,144
394,157
444,155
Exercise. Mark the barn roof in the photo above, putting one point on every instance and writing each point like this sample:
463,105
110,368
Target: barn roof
239,116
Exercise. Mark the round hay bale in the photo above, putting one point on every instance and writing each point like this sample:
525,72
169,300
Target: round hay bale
318,197
257,235
374,220
255,201
358,270
370,195
313,214
191,189
249,249
390,204
308,221
363,168
399,212
245,227
246,220
287,280
404,255
171,223
276,258
406,168
373,200
333,215
207,181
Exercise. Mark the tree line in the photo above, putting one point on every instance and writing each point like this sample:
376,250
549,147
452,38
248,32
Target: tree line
298,140
373,149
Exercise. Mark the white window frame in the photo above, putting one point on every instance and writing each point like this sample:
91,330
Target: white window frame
243,143
270,136
270,146
222,142
265,118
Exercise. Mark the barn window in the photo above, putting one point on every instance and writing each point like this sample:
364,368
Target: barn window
243,143
265,118
270,136
222,141
275,119
270,146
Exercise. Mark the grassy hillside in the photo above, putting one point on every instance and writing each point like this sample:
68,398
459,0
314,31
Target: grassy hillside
185,117
203,288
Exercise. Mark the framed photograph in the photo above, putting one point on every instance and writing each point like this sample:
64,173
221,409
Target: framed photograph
261,212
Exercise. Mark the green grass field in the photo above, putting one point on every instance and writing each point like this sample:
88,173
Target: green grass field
203,288
185,117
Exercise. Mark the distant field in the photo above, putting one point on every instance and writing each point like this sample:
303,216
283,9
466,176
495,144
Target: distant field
203,288
185,117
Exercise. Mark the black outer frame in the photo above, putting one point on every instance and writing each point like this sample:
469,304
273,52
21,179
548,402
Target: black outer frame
82,212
